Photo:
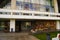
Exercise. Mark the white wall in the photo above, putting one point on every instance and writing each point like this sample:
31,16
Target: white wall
58,25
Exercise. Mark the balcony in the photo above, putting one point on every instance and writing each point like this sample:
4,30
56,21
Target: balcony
25,14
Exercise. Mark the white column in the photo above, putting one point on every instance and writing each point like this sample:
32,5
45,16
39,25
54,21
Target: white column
58,25
12,25
12,21
13,4
56,11
55,6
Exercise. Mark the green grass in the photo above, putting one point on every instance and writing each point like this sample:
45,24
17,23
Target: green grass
42,36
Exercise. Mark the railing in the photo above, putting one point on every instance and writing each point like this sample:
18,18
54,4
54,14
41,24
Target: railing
5,13
32,14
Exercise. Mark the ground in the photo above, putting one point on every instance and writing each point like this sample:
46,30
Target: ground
43,36
16,36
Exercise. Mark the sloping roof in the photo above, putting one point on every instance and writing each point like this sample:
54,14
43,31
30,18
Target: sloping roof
3,3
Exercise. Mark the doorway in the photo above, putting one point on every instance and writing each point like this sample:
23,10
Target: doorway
22,26
18,26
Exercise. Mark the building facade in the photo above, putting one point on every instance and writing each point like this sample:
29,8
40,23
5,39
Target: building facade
30,15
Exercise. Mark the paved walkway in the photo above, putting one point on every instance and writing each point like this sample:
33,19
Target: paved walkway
16,36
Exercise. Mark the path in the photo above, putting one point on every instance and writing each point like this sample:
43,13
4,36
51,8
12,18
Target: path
16,36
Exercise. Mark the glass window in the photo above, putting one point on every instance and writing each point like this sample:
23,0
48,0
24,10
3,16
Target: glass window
49,5
35,5
19,5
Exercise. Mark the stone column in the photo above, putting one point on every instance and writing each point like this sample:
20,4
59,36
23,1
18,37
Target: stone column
12,25
12,21
13,4
55,6
57,25
56,11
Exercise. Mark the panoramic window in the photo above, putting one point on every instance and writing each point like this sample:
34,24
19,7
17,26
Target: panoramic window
49,6
38,5
24,5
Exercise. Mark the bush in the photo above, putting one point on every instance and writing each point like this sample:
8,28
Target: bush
42,36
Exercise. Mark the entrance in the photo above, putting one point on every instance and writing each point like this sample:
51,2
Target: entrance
35,26
22,26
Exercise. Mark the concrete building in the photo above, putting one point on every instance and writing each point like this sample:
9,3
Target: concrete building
29,15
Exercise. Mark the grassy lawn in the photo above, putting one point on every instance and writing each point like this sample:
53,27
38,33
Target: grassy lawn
42,36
